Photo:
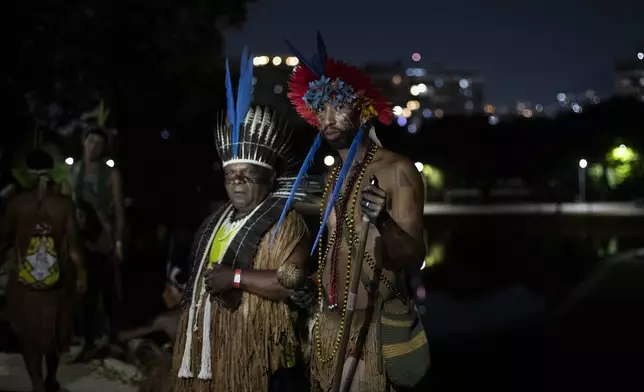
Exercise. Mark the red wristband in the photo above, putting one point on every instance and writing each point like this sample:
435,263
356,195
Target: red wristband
237,279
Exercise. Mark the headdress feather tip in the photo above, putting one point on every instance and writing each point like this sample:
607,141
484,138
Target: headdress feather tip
296,184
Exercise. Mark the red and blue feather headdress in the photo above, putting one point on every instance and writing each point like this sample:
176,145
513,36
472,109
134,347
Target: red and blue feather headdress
322,80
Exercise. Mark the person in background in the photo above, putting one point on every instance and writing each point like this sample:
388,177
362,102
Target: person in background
42,228
90,229
93,182
150,346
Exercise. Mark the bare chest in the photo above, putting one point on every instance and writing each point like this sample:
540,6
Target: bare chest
337,254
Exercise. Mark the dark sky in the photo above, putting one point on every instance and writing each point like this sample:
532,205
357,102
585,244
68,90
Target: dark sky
524,50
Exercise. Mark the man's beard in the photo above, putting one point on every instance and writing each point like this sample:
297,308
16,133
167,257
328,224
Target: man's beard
340,144
343,142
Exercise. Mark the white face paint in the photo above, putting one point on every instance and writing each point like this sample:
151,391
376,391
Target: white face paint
338,125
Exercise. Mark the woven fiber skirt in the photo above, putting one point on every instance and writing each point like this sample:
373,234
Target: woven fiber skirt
41,319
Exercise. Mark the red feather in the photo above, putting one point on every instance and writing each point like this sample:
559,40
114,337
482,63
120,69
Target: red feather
299,85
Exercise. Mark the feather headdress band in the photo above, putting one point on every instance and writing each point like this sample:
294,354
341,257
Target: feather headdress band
324,80
264,139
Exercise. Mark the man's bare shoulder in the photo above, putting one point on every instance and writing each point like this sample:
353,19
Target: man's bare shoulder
63,203
18,199
388,162
21,201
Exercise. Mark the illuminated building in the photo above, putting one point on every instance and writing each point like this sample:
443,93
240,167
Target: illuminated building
561,103
419,93
629,76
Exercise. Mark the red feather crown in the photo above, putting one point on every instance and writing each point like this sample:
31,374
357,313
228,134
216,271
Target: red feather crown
370,102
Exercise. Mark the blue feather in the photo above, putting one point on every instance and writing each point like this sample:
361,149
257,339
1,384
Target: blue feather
353,150
244,95
315,60
310,65
230,99
296,184
321,52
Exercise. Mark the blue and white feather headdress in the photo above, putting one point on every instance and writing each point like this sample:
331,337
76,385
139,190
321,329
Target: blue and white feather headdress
246,135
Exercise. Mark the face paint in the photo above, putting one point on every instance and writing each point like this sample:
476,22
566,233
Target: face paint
247,185
338,125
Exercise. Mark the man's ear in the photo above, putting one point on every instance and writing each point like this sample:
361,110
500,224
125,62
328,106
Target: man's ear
270,177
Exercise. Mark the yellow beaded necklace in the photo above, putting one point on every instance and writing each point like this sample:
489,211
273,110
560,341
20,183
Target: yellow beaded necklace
322,256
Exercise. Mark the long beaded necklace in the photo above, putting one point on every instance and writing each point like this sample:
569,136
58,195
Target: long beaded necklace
322,256
340,212
383,279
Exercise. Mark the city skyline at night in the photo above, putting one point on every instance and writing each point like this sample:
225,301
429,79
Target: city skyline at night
524,52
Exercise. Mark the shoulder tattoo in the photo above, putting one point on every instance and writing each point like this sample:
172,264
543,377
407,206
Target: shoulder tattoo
402,178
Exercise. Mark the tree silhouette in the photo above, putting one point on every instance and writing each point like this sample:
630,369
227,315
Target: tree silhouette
145,57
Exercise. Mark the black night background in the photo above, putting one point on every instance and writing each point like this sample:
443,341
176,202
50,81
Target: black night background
525,119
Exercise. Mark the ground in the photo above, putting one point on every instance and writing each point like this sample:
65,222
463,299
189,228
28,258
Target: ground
95,377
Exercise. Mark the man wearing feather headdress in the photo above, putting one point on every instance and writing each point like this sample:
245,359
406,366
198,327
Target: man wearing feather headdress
236,331
340,101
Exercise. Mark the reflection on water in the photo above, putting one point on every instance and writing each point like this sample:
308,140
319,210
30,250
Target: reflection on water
468,257
491,285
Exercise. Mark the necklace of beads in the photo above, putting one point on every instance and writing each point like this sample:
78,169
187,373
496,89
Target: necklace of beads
383,279
340,211
322,256
230,226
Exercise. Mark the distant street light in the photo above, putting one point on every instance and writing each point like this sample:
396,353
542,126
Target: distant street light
329,160
582,180
69,161
110,163
640,56
419,166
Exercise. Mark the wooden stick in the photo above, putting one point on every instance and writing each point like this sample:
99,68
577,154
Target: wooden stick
356,272
364,331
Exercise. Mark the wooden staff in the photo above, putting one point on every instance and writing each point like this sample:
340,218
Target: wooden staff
356,273
364,331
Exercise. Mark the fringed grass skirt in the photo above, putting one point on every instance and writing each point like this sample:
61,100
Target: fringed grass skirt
157,375
368,377
41,319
